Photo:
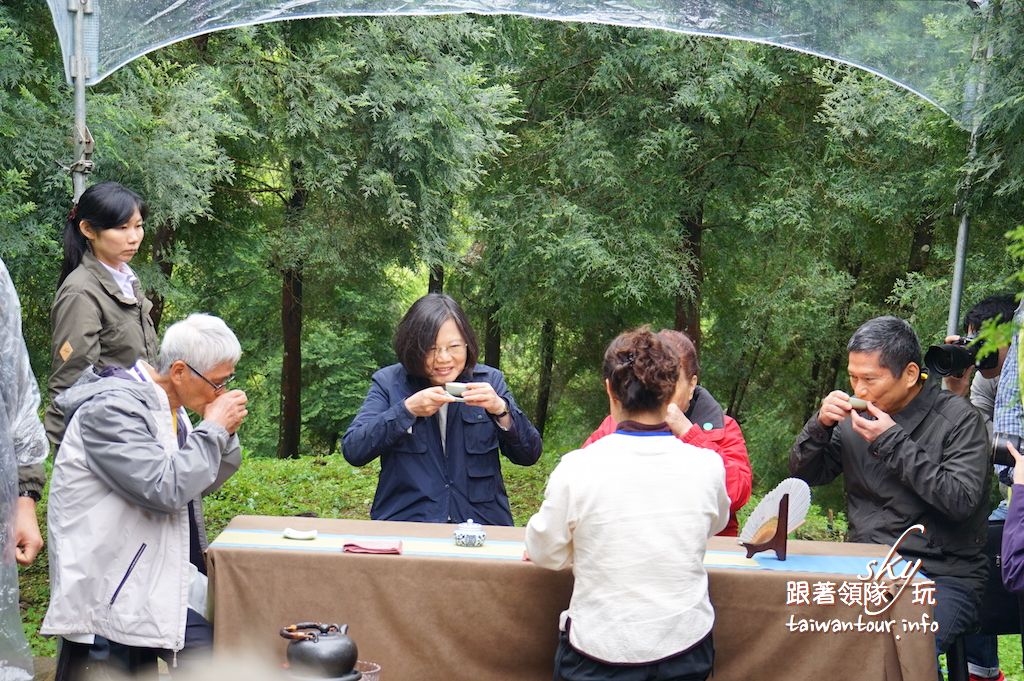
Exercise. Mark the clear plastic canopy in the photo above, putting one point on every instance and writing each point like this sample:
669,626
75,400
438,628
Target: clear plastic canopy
895,39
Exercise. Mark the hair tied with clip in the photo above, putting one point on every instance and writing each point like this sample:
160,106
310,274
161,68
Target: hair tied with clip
73,214
630,358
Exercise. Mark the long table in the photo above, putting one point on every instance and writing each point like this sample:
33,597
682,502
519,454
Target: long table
438,611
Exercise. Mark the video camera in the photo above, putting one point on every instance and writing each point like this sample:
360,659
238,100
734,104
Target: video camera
952,359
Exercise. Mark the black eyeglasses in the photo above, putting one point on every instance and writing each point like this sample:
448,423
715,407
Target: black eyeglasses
216,387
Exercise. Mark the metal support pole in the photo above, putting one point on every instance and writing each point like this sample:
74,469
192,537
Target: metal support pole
973,92
84,144
953,322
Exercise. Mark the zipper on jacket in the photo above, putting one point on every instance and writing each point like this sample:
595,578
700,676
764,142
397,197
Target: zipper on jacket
127,574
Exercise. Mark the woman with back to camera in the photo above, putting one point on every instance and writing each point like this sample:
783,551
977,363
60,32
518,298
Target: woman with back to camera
439,453
100,316
632,515
696,418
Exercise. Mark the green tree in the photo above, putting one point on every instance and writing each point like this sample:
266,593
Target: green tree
355,162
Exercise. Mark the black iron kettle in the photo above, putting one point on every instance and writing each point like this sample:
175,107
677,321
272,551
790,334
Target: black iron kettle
321,651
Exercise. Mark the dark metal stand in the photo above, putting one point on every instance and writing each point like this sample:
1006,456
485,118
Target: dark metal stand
778,541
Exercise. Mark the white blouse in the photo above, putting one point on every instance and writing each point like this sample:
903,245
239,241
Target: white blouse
124,278
632,514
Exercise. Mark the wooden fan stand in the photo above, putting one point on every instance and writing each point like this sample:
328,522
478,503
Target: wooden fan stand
778,542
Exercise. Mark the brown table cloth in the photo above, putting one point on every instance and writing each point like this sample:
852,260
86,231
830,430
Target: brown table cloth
479,619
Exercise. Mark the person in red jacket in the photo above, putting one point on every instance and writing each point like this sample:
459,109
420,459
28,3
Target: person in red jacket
697,419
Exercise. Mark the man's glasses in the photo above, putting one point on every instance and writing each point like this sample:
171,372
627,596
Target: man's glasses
217,387
452,350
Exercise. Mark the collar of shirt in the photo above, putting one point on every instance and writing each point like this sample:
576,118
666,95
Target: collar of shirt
637,428
124,278
910,416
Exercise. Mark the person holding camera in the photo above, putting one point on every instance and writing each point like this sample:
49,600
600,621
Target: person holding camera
979,379
913,455
957,362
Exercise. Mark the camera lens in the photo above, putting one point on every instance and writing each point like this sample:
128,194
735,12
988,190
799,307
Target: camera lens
949,359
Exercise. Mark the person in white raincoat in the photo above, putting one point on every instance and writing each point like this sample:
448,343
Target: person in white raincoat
22,443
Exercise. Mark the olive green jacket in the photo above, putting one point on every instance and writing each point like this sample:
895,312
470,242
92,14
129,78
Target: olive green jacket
94,324
32,478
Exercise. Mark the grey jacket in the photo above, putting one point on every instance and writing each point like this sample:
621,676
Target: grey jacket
94,325
932,468
117,511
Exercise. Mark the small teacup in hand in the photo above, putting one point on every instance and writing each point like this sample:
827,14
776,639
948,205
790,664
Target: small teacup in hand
455,389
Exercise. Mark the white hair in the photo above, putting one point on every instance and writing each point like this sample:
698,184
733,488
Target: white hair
200,340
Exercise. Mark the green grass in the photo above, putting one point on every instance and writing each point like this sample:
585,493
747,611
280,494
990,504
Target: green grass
330,488
35,595
1009,658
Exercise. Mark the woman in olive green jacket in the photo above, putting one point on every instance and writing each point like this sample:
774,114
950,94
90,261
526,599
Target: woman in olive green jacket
100,316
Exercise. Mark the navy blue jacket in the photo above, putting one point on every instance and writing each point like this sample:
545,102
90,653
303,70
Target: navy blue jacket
418,480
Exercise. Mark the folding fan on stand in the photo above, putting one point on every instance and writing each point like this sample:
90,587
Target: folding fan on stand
781,511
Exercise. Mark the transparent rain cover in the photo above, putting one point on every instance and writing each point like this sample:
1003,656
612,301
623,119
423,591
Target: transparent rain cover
22,442
894,39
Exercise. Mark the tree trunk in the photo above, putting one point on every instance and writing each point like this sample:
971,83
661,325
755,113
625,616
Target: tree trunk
290,425
436,282
200,42
825,369
740,390
839,362
492,338
688,304
921,247
813,389
547,361
291,365
163,242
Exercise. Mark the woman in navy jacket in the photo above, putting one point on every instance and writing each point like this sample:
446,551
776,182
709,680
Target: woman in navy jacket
439,453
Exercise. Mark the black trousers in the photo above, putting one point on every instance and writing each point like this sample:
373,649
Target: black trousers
693,664
956,610
109,660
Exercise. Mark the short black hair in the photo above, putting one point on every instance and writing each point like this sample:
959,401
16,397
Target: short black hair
999,307
893,337
417,332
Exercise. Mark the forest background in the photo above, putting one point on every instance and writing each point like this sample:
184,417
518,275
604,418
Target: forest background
308,180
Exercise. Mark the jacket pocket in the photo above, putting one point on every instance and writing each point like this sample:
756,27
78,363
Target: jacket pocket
480,435
409,443
116,335
127,574
482,471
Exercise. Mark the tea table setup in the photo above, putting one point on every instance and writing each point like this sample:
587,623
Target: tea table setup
426,609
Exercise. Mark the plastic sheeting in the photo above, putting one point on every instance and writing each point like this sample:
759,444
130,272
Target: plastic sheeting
22,437
890,38
22,441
